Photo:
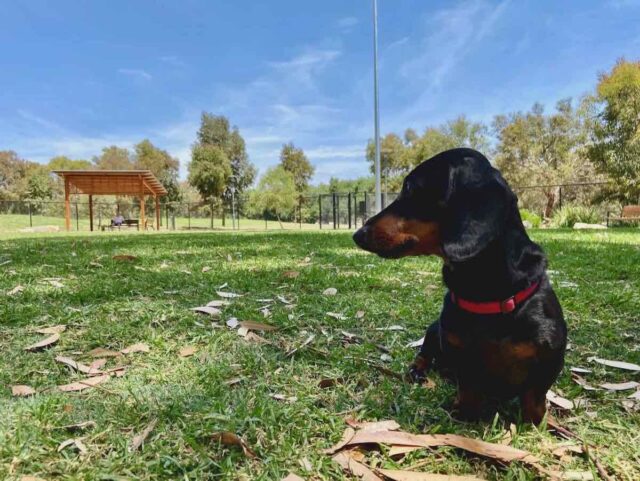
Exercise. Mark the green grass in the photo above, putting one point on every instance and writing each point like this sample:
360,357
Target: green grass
597,275
13,224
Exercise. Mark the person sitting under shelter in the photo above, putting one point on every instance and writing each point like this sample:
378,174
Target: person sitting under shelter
117,221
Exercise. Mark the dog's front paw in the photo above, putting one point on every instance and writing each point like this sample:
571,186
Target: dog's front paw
417,371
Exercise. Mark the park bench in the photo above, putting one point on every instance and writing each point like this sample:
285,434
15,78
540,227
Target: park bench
127,224
630,213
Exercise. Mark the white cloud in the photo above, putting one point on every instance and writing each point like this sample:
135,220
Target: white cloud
450,35
347,23
135,73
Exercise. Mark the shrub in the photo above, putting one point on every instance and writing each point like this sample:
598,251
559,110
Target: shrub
534,219
569,214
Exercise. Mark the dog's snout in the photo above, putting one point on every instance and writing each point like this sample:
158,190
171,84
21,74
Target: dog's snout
360,236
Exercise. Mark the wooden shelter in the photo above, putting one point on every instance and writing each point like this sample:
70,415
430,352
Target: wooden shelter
137,183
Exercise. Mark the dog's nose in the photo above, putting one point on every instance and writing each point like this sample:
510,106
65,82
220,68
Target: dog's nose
360,236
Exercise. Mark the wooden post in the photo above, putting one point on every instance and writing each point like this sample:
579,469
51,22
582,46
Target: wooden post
157,212
142,215
67,205
141,224
91,213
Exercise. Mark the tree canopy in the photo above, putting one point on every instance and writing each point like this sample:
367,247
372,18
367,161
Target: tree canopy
164,167
294,161
276,193
615,129
209,171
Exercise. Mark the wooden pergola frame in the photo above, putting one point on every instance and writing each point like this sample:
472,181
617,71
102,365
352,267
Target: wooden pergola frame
137,183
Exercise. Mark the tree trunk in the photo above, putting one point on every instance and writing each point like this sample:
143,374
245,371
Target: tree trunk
551,201
279,221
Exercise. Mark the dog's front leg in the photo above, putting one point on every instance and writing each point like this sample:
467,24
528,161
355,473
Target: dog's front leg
429,351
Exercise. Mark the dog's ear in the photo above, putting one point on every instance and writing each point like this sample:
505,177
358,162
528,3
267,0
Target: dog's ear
476,209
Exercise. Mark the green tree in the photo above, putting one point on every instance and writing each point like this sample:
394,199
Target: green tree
276,194
62,162
459,132
215,130
113,158
615,129
294,161
539,149
13,175
209,171
40,185
164,167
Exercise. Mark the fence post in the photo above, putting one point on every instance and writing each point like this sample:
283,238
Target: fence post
320,210
333,204
30,218
366,208
166,213
223,216
189,214
560,197
264,213
300,211
77,218
211,215
349,210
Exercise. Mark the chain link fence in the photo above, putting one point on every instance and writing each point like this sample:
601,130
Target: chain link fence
346,211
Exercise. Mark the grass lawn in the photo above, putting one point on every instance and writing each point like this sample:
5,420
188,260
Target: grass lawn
13,223
112,304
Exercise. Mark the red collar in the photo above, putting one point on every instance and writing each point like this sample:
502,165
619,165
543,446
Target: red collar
496,307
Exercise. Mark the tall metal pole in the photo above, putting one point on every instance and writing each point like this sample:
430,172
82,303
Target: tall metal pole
375,102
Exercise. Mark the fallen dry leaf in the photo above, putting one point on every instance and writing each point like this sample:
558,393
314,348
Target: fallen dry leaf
97,364
330,291
138,347
100,352
60,328
79,445
583,382
397,475
347,436
227,438
22,390
55,283
388,425
188,351
78,366
359,314
84,384
576,476
417,343
30,478
15,290
233,381
337,315
228,295
256,326
218,303
330,382
564,449
252,336
580,370
49,341
282,397
124,257
491,450
402,450
559,401
635,395
290,274
359,470
208,310
617,364
206,269
306,465
139,439
232,323
308,341
620,386
391,328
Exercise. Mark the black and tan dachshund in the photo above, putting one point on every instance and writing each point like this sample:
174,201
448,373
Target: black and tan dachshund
501,333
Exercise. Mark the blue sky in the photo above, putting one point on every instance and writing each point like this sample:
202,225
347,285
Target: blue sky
77,76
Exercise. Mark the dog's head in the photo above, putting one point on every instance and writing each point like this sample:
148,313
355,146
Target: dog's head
452,205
